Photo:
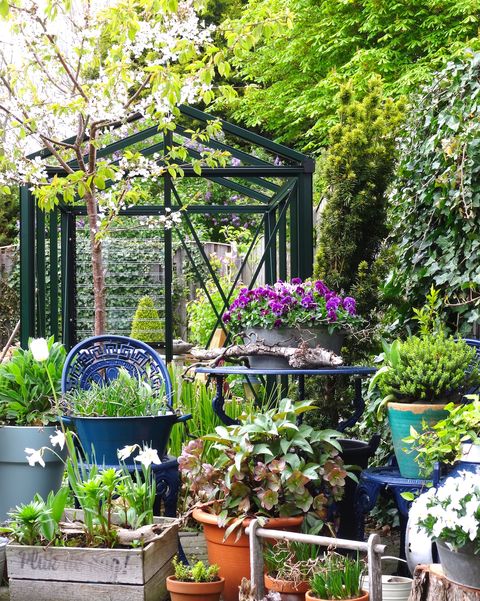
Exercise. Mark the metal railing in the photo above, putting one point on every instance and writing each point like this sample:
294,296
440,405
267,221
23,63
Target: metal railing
372,547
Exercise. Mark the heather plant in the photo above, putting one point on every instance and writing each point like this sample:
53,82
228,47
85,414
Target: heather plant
428,368
290,304
268,466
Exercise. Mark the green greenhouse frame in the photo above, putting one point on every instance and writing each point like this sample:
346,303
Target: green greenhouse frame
285,206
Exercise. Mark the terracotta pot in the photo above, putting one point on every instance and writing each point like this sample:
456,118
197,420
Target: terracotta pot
232,555
363,597
288,590
191,591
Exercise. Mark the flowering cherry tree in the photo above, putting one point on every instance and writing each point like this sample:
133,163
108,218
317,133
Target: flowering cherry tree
92,69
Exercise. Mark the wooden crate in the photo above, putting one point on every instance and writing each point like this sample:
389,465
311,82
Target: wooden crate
82,574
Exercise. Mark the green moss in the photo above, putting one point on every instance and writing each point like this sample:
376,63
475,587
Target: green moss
146,325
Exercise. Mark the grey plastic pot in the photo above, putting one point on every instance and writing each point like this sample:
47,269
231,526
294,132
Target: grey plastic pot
18,480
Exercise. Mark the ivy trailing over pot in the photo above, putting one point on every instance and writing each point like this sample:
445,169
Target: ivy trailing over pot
435,201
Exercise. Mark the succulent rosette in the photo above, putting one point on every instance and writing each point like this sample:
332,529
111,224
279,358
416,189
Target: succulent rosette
291,304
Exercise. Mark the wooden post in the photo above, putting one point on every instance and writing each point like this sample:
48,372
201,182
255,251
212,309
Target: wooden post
374,569
256,559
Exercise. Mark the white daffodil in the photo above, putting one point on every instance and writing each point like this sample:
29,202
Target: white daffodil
58,438
126,451
148,456
35,456
39,348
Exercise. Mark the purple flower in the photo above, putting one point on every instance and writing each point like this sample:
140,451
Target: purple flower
308,302
227,316
349,305
278,323
296,281
332,315
208,195
333,303
236,162
321,288
276,307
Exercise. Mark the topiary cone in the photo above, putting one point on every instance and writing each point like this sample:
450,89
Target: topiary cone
146,324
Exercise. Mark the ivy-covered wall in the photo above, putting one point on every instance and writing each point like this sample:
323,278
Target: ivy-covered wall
435,201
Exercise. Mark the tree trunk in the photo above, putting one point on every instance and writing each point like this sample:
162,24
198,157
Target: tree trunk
429,584
99,300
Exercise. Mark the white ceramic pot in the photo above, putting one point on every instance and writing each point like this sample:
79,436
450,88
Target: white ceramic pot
418,547
470,452
394,588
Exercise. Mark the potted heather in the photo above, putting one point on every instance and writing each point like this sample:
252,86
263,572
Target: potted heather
418,378
337,577
198,582
268,466
287,314
450,515
29,394
113,543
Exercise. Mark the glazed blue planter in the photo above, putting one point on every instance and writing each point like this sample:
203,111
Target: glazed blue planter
108,434
403,415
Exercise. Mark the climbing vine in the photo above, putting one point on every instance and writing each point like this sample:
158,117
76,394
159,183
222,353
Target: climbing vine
435,202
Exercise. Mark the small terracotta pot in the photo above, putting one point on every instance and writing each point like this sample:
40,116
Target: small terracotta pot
191,591
232,555
288,590
363,597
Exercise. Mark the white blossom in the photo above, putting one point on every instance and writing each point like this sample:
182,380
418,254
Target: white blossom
126,451
148,456
58,438
34,456
39,349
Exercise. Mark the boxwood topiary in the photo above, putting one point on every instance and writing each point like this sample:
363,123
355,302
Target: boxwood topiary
146,324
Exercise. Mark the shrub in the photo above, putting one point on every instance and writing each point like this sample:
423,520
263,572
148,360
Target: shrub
146,325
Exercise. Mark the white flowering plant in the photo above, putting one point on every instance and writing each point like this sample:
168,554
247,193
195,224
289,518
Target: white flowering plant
451,512
80,77
116,504
30,383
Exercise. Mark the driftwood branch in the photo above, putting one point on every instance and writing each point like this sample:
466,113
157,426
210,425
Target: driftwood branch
301,357
125,536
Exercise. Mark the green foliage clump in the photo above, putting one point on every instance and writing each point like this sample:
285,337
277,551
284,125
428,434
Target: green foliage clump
338,577
199,572
435,202
9,215
125,396
294,75
428,368
357,169
146,325
26,396
443,441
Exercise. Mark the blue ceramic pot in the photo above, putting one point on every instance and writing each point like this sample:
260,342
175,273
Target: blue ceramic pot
403,415
108,434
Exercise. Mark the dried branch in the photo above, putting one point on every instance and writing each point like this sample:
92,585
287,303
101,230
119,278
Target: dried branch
301,357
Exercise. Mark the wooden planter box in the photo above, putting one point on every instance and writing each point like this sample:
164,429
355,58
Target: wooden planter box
85,574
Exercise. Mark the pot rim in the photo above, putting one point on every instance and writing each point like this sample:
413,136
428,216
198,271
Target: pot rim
363,596
406,405
106,417
40,428
211,518
300,587
200,588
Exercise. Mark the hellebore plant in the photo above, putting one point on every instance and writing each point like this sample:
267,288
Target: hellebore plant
291,304
117,505
268,466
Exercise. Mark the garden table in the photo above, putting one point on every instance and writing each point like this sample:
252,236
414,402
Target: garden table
355,372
